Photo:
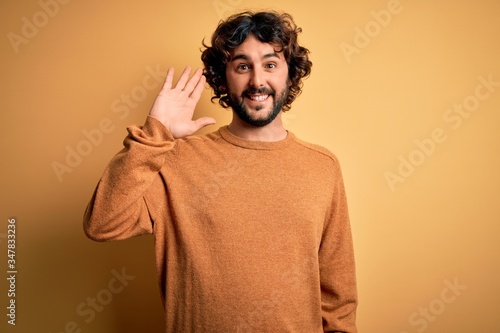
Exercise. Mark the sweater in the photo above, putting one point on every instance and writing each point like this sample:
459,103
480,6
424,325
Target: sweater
250,236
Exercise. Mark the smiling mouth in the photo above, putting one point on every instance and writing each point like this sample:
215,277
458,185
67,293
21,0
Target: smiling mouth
257,98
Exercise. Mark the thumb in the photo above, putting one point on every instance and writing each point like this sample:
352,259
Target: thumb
204,121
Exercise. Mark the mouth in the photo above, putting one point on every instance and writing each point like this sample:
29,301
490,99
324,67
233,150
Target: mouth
257,98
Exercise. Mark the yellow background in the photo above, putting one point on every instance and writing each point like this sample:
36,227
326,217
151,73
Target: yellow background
436,225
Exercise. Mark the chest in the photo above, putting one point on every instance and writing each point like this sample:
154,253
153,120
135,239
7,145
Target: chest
257,195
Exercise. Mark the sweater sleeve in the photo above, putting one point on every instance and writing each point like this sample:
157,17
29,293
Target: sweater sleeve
337,268
124,201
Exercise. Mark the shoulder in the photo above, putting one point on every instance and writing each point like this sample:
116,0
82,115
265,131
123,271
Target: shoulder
317,151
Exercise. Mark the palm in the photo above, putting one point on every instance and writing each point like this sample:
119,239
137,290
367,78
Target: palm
174,107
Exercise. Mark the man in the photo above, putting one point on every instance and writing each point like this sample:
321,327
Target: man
250,223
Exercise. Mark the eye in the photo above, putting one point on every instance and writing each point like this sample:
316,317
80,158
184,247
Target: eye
271,65
242,67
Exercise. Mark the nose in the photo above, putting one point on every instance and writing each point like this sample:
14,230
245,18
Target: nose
257,78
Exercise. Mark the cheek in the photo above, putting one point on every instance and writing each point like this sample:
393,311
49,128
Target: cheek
283,79
283,82
235,84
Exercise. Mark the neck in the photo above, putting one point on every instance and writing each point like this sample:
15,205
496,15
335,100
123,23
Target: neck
274,131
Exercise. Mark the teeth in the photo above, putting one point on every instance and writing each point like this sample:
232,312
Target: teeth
259,98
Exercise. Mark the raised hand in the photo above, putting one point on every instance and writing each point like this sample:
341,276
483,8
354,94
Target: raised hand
174,107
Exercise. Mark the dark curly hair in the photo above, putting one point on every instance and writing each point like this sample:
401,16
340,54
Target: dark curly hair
267,27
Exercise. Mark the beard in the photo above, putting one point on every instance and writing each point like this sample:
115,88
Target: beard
237,104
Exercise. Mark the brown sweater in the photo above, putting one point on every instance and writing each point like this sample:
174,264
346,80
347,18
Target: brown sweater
249,236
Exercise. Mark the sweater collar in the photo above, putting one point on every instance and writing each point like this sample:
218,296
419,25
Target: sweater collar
250,144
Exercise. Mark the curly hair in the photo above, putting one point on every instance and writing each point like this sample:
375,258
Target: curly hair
267,27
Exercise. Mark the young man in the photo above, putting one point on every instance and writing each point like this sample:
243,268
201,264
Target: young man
250,223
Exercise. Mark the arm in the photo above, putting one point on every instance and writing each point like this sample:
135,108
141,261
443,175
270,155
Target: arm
131,189
337,268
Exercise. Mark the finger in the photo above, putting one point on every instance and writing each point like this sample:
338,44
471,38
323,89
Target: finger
193,81
198,89
203,121
168,79
183,79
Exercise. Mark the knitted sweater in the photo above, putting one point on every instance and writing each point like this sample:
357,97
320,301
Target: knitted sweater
249,236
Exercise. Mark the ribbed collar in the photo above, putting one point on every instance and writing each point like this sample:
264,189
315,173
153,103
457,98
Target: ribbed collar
250,144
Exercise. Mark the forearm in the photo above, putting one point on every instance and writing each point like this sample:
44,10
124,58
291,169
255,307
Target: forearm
338,292
119,208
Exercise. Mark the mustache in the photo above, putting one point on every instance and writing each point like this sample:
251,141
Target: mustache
261,91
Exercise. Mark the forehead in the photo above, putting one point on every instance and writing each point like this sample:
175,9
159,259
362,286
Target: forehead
254,49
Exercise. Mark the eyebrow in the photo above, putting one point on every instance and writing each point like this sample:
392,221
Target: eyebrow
245,57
